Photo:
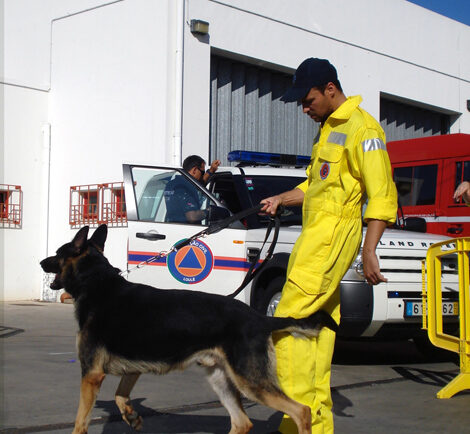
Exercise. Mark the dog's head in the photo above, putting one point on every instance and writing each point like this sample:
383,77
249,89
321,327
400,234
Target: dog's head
70,253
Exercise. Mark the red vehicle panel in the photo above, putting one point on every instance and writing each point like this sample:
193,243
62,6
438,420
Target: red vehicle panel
427,171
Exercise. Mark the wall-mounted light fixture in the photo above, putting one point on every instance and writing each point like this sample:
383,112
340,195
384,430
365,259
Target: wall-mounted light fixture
199,27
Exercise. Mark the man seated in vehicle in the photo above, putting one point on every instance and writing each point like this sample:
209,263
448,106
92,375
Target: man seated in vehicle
183,199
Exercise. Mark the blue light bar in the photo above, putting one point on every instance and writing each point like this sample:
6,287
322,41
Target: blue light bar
252,157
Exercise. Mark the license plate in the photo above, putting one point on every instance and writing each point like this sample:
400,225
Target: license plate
415,308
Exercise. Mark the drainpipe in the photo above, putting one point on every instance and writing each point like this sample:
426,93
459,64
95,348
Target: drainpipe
179,68
46,294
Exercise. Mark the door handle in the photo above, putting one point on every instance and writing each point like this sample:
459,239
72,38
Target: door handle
455,230
151,236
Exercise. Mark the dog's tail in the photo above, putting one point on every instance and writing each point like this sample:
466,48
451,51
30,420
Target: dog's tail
304,327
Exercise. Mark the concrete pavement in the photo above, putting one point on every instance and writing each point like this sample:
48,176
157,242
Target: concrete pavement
377,387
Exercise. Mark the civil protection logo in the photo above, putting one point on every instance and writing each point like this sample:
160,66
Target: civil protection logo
192,263
324,170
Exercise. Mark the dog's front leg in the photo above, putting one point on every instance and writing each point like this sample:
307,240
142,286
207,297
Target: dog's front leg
91,383
123,401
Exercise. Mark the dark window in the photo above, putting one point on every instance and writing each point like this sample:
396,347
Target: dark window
90,205
3,204
11,199
416,185
224,189
261,187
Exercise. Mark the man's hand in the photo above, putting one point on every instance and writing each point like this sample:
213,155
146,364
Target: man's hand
271,204
214,166
371,268
370,263
463,190
293,197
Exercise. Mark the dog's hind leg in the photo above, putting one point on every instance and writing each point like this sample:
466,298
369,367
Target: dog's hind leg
257,379
230,399
123,401
300,414
91,383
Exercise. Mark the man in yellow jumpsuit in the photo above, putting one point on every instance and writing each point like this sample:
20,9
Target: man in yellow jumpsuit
349,165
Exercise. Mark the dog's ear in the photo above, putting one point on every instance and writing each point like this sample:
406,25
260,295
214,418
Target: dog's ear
80,238
99,237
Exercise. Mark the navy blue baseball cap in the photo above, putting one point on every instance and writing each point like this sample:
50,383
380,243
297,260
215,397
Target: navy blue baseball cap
311,72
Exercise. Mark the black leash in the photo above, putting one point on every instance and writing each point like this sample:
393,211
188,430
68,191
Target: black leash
218,226
253,271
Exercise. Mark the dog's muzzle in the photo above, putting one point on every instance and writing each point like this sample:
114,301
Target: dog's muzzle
51,265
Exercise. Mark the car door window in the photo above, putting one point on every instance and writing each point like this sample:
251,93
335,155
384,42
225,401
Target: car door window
169,196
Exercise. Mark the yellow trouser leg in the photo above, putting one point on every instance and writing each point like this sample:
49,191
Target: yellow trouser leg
304,365
304,369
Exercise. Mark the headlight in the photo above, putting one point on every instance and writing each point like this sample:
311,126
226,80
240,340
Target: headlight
357,265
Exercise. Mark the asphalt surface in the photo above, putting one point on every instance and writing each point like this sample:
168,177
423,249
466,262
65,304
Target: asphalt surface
378,388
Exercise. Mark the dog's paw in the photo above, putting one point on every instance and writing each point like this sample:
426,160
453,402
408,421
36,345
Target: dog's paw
134,420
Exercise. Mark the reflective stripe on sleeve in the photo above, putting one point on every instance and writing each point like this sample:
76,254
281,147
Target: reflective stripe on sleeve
337,138
373,145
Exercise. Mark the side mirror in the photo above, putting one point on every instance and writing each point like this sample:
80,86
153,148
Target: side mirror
217,213
416,224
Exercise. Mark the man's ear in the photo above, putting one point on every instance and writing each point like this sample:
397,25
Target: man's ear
99,237
79,240
194,172
330,89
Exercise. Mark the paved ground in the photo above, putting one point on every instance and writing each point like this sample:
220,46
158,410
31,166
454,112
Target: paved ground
378,388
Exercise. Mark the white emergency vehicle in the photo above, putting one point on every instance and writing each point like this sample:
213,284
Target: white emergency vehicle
218,263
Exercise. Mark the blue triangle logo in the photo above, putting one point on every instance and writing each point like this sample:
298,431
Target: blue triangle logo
190,261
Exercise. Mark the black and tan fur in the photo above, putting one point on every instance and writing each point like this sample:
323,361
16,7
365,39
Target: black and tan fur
127,329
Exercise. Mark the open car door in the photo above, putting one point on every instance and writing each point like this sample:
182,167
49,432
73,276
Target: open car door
166,205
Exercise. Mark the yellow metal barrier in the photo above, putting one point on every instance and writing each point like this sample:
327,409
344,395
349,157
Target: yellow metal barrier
432,308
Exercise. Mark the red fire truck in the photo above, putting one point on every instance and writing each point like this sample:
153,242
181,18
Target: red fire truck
426,172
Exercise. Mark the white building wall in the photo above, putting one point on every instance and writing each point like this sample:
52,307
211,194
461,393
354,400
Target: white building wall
109,100
377,46
103,75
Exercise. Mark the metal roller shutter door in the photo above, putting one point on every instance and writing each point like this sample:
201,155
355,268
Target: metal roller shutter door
247,114
403,121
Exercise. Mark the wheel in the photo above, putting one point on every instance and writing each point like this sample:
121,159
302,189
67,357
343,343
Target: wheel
268,300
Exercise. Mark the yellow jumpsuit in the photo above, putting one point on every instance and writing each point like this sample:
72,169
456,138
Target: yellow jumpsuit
349,162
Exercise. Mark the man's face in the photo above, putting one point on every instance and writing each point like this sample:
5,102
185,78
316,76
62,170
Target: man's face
198,172
317,105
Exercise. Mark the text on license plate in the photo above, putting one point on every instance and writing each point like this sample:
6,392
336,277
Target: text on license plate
415,308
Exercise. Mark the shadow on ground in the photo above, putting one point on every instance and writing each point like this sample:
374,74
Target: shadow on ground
177,423
357,352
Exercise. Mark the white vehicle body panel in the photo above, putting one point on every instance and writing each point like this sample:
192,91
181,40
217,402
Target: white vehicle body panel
400,254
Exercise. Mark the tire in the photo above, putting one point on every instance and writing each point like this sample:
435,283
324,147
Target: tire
269,298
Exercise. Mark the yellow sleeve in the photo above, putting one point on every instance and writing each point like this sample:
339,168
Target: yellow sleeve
377,177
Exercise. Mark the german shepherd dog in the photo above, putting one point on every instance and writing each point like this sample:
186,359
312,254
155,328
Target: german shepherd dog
127,329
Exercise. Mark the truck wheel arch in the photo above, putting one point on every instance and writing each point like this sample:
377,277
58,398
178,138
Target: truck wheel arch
271,279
